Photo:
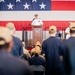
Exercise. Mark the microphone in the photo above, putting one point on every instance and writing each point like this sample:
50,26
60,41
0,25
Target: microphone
33,19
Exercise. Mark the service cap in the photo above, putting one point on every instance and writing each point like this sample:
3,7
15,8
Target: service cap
5,34
10,25
72,28
72,25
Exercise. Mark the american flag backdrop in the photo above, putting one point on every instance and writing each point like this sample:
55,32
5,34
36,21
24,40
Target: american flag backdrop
52,12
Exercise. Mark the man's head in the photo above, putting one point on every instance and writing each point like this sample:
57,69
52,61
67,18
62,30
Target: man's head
52,30
11,27
36,16
37,50
38,43
72,30
5,39
71,24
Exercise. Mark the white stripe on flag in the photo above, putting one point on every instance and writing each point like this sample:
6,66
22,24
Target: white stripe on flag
44,15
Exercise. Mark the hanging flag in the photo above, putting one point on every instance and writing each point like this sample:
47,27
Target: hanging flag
52,12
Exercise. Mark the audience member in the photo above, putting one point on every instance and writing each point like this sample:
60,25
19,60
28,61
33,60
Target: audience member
37,59
17,49
10,65
67,31
52,49
37,44
69,52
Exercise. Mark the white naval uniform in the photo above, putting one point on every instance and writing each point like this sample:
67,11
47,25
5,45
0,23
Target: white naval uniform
67,31
37,22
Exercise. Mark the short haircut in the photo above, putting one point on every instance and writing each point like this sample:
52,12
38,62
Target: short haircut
52,29
36,15
37,50
39,46
72,30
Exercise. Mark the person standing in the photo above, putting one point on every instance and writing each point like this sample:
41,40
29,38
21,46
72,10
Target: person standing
36,21
67,31
69,52
17,49
52,49
10,65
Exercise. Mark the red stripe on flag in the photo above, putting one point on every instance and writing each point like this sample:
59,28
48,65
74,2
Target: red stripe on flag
61,25
63,5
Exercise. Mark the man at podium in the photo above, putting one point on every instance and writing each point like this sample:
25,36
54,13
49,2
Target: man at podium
36,21
37,28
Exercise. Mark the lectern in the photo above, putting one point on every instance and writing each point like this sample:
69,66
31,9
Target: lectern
37,34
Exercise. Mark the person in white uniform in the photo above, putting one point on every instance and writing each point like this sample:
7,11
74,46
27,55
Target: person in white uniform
36,21
67,31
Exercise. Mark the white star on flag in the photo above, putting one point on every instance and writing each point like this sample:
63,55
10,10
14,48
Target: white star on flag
18,0
34,0
26,6
42,5
10,6
1,0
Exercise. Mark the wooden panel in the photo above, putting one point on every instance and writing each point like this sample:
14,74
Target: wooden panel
37,34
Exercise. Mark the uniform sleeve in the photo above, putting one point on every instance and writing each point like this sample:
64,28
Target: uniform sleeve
41,22
33,22
43,47
67,30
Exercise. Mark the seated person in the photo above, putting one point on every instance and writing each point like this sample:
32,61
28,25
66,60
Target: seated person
37,59
37,44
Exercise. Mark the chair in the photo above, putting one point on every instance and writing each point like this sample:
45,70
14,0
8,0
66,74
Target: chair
38,69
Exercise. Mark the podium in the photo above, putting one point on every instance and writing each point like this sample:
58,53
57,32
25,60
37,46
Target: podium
37,34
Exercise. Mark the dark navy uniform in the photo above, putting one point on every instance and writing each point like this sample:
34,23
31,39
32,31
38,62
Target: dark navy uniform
52,48
10,65
37,60
17,49
69,56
